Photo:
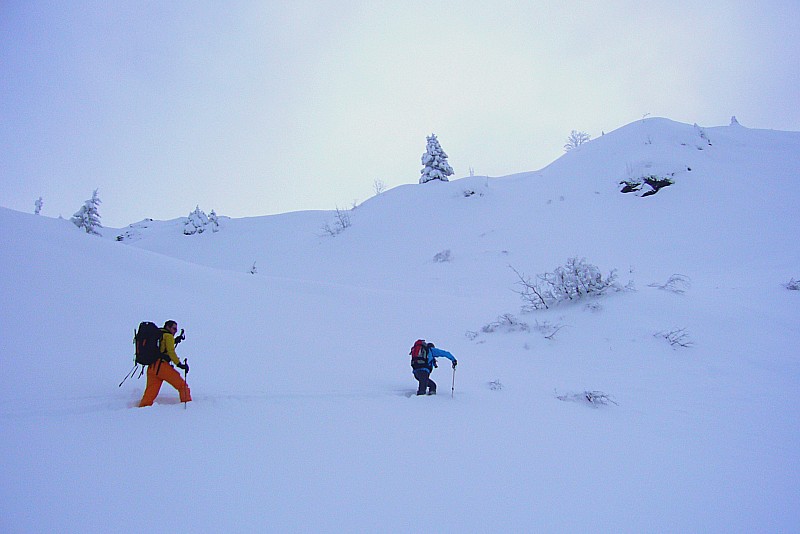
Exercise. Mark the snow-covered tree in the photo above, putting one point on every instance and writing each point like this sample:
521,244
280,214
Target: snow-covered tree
196,223
575,140
434,161
572,281
88,216
39,203
213,221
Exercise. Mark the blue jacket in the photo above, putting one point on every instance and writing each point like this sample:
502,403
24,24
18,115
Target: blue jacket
434,353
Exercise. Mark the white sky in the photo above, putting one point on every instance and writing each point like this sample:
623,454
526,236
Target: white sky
252,108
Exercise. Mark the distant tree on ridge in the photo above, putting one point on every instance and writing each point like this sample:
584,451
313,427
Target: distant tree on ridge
434,161
576,139
88,217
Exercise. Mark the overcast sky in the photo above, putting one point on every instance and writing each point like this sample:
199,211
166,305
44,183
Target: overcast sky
254,108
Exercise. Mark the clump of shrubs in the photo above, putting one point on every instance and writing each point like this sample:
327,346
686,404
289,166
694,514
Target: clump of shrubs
572,281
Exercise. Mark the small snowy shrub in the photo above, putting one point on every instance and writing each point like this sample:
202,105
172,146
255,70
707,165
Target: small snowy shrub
792,285
677,283
593,307
677,337
38,206
443,256
572,281
506,323
341,221
576,139
495,385
547,329
594,398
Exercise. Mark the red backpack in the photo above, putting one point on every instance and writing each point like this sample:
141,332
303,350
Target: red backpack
419,355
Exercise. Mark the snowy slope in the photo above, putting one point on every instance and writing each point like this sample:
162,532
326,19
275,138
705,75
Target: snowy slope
535,220
300,373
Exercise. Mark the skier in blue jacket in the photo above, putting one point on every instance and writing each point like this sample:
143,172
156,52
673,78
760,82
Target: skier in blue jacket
423,373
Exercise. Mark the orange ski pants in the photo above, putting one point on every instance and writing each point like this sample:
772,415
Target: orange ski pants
156,375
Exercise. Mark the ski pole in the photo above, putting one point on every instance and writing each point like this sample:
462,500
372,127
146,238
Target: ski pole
130,374
453,388
185,372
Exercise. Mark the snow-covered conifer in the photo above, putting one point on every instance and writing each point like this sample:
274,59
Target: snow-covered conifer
39,203
196,223
213,221
88,217
434,161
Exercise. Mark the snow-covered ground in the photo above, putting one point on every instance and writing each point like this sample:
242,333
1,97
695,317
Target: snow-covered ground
302,419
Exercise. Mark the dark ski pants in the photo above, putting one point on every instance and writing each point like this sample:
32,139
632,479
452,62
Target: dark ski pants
423,376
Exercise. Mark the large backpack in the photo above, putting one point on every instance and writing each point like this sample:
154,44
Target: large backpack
419,355
148,343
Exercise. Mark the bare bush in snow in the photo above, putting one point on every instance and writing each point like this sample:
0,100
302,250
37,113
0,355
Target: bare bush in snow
506,323
792,285
443,256
547,329
495,385
594,398
677,283
576,139
341,221
677,337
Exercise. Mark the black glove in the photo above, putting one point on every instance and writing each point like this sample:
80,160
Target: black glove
181,337
184,366
455,362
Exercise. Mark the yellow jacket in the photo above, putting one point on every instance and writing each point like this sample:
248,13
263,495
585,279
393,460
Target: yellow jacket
168,346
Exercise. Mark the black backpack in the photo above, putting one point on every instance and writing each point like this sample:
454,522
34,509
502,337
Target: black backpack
148,343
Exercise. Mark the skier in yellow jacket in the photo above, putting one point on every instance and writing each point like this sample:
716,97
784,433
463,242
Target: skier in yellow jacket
162,369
